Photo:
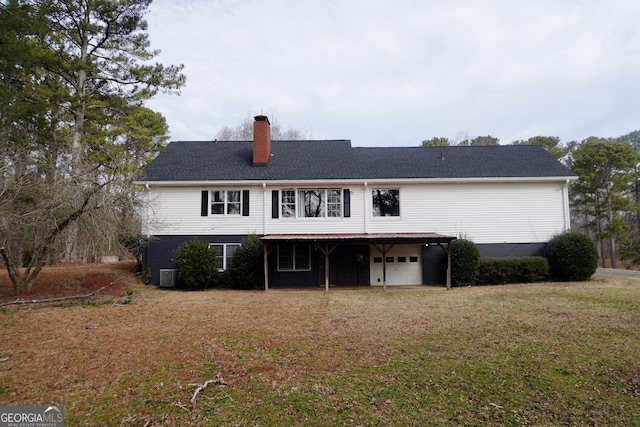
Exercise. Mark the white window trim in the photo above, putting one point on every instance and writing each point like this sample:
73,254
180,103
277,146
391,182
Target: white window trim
224,252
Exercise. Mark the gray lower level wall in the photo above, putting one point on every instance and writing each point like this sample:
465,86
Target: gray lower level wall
505,250
351,261
158,253
434,258
349,266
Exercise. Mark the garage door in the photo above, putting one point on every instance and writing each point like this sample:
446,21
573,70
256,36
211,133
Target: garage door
403,262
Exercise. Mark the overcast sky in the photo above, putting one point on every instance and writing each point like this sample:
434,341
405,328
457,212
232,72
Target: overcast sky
396,72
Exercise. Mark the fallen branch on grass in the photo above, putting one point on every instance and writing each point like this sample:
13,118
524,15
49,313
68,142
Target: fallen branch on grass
39,301
200,387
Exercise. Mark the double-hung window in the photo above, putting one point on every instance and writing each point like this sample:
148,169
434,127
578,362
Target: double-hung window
226,202
288,203
311,203
224,254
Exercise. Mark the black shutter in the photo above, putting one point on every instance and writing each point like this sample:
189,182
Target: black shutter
274,203
245,202
346,202
204,207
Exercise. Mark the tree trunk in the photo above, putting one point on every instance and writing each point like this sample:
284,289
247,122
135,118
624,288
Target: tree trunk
71,252
599,239
21,283
610,229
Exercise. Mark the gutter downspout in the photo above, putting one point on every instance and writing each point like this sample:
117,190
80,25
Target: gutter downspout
565,206
366,207
147,221
264,208
265,247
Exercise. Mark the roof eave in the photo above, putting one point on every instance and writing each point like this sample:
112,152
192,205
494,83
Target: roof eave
360,181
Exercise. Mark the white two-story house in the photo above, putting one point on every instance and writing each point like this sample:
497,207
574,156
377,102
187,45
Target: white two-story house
332,214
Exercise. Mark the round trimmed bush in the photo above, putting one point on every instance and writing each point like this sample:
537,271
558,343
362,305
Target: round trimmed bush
465,262
197,265
248,263
572,256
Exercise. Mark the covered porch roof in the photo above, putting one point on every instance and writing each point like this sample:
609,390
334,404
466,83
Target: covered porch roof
383,242
357,238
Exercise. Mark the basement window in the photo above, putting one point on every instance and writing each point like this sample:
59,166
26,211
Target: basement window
294,258
224,254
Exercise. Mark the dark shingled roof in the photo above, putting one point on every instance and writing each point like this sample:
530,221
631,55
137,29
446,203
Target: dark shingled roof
319,160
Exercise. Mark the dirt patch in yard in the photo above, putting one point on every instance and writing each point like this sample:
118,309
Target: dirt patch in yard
71,279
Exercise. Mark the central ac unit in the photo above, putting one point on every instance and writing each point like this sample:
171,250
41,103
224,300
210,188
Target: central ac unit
168,278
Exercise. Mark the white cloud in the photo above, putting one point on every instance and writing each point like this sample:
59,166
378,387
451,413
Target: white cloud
395,73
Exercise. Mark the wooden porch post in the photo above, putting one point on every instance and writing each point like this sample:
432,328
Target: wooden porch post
384,252
326,272
384,267
326,251
447,250
265,252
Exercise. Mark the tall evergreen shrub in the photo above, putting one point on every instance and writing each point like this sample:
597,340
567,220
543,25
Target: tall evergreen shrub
572,256
197,265
248,263
465,262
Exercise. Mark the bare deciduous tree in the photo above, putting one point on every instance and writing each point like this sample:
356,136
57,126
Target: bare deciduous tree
243,131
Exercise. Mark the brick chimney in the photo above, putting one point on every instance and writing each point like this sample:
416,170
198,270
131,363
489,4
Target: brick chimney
261,140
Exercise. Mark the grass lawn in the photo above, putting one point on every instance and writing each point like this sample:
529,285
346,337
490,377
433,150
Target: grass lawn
537,354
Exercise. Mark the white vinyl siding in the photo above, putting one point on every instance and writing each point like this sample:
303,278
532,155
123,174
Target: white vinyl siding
486,213
510,212
177,211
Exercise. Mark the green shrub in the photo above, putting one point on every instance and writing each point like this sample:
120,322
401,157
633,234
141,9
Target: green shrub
248,264
465,262
534,269
572,256
492,272
227,280
197,265
498,271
